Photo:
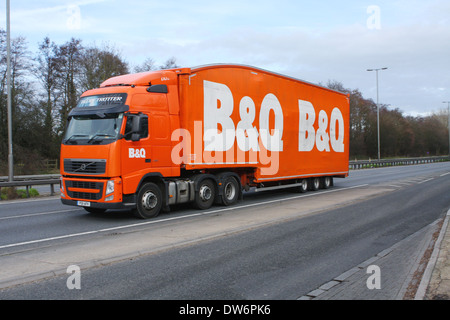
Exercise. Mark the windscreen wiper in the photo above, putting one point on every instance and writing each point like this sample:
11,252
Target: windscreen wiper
95,137
74,136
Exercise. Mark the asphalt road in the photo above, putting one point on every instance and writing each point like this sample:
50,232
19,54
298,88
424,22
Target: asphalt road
278,260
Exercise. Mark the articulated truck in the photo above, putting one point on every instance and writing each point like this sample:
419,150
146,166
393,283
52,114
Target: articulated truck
203,135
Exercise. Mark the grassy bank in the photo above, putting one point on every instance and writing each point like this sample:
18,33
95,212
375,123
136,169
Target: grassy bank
10,193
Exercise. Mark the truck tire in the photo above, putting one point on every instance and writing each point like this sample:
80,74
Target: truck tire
230,191
204,197
315,183
149,201
327,182
303,187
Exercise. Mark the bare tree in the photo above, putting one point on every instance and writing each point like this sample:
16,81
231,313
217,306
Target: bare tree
20,66
147,65
70,56
99,64
47,70
171,63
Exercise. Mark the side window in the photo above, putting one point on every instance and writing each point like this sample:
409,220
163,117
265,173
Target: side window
143,130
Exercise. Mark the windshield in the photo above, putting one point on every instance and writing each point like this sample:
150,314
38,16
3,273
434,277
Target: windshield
90,129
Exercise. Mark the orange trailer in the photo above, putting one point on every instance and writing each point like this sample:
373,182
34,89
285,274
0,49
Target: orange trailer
204,135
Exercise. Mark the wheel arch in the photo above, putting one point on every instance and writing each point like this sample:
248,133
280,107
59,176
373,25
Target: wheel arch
158,179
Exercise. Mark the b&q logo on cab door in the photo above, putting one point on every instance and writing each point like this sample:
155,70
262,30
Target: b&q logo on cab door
136,153
248,136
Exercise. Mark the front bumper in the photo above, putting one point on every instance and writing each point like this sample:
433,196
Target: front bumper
101,205
94,193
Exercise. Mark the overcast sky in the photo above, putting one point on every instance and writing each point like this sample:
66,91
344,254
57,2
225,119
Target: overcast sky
316,41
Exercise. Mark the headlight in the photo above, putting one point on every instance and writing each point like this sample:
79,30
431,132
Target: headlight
110,187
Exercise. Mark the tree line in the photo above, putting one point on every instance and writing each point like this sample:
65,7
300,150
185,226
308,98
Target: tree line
46,85
400,135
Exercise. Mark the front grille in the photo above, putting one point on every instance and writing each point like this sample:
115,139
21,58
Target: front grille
85,195
84,185
85,166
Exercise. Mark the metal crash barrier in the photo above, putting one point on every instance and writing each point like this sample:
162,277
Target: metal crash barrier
365,164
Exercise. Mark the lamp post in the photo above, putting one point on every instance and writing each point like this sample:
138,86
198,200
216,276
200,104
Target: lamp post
378,111
8,77
448,105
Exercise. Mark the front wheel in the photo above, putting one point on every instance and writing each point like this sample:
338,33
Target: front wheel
149,201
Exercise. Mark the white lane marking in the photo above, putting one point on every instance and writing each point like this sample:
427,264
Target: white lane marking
425,181
51,198
36,214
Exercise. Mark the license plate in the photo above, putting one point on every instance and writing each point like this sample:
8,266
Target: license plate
83,203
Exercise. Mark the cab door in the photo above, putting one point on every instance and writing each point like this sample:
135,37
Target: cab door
152,153
159,128
157,108
135,155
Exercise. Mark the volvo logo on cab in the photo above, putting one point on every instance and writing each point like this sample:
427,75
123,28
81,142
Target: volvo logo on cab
218,107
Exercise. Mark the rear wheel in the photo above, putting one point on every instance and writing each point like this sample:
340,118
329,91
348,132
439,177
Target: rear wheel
149,201
230,191
303,187
327,182
315,184
204,197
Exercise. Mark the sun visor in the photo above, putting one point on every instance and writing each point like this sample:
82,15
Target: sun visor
99,104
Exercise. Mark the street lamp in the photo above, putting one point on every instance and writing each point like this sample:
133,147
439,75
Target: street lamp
8,78
378,111
448,104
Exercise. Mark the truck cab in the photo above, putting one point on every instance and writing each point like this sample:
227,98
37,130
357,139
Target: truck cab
117,136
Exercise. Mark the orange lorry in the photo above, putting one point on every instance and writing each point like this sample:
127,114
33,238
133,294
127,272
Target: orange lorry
203,135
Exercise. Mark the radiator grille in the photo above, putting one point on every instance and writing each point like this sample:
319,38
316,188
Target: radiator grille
85,195
97,186
84,184
85,166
